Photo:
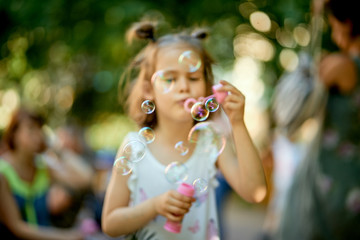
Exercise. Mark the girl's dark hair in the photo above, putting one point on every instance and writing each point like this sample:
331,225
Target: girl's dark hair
345,10
144,66
18,116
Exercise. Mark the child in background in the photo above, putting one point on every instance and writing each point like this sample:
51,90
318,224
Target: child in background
25,182
138,204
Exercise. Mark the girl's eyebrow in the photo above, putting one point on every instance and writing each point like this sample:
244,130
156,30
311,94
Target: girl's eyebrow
194,73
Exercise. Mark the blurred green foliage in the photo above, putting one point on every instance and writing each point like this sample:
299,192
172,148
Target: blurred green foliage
66,57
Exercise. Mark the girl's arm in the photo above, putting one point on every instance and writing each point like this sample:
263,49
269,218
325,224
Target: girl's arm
243,168
11,218
118,218
68,169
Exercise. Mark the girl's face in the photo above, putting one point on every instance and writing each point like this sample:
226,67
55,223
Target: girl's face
341,32
29,137
185,84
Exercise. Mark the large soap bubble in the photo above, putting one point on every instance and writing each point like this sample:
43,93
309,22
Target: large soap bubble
134,151
122,166
176,172
207,134
163,80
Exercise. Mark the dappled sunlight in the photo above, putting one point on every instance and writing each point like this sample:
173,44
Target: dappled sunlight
289,59
260,21
253,45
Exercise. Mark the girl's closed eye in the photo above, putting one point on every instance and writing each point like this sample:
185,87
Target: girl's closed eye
194,78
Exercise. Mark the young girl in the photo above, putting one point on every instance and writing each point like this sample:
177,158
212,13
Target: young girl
141,202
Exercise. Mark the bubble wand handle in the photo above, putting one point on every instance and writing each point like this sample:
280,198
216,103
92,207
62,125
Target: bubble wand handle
187,190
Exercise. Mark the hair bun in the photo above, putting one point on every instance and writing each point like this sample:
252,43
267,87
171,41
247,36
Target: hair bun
141,30
200,33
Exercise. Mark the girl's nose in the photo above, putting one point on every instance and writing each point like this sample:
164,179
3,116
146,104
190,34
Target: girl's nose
183,84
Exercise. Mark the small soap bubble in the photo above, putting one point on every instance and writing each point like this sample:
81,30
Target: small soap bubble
182,148
148,106
200,185
147,134
163,80
212,105
176,172
134,151
122,166
190,60
199,112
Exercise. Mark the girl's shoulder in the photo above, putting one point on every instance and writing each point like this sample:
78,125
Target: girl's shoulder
338,69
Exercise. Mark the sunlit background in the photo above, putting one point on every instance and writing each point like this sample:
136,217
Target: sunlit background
65,58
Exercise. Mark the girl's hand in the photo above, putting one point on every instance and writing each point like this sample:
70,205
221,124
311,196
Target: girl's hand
234,103
173,205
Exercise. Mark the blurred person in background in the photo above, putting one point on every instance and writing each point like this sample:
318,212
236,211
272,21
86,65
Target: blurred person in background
25,181
324,199
70,146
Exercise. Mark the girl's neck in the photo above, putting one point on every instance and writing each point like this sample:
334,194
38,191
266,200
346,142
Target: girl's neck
172,132
23,159
23,163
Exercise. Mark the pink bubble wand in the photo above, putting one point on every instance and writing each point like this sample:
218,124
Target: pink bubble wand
218,95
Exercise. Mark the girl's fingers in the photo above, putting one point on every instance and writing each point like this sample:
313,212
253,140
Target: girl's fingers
174,218
235,98
228,87
231,106
176,210
180,204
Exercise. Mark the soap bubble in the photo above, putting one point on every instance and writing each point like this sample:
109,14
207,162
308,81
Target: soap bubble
182,148
212,105
147,134
148,106
190,60
122,166
206,134
199,112
176,172
200,185
163,80
134,151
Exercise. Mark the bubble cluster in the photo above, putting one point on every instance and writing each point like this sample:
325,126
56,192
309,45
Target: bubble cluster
203,133
147,134
176,172
148,106
190,60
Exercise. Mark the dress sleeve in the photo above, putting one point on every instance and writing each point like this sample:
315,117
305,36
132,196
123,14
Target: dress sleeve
133,178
